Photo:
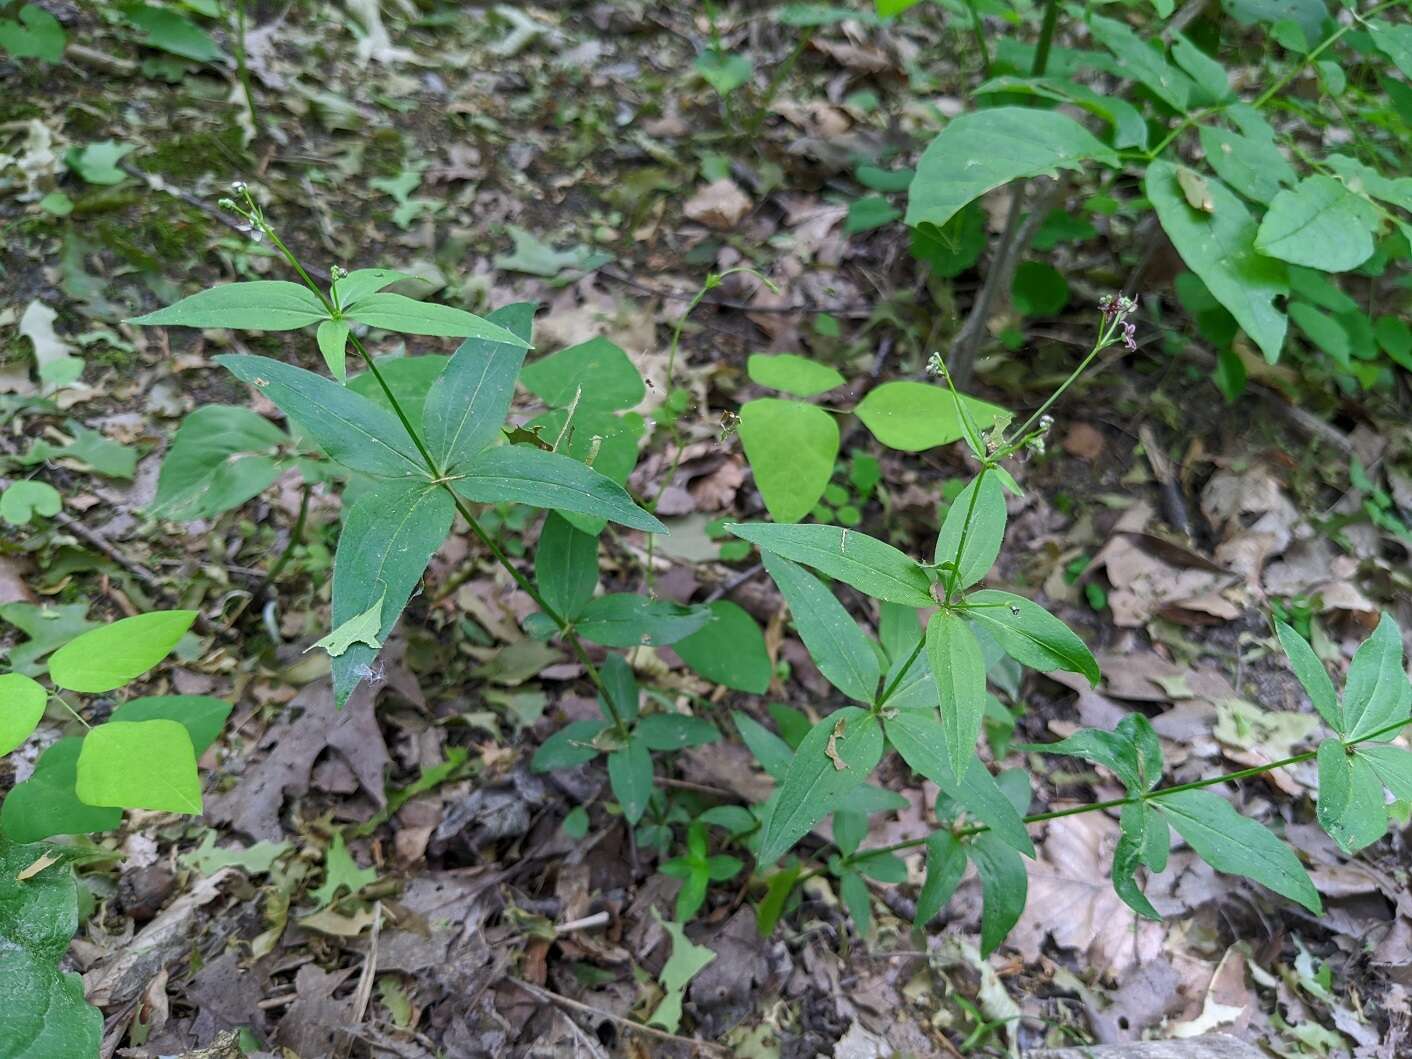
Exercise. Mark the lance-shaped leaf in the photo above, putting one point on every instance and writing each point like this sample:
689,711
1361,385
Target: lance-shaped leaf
623,619
874,568
981,505
1376,693
833,638
630,774
1138,60
466,408
565,566
351,429
1351,806
407,316
1219,246
1005,886
45,1015
260,305
836,756
1311,673
1131,751
1030,634
946,863
363,281
1237,845
1140,830
388,537
526,475
917,735
958,668
1392,765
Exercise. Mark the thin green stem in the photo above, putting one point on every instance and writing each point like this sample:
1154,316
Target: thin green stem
1040,62
895,681
978,31
76,715
1104,340
296,533
954,577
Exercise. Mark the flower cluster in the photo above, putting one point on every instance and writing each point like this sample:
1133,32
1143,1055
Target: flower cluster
1116,311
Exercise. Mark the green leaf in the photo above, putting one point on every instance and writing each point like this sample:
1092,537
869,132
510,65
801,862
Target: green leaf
982,502
363,281
341,872
1131,751
1363,180
1129,126
959,671
351,429
597,372
467,407
685,963
792,373
1004,889
915,416
854,892
946,863
1038,289
792,448
565,566
568,747
918,735
898,630
772,752
45,1014
221,457
172,32
777,890
1220,248
839,648
1312,675
1210,82
955,246
980,151
332,337
407,316
258,305
872,567
525,475
1324,331
1393,766
1133,840
1237,845
1256,168
619,688
1395,41
37,35
1140,61
1351,807
630,773
723,71
728,650
869,213
98,163
26,498
111,655
22,703
675,731
1030,634
623,619
817,779
1376,693
534,257
363,628
139,765
45,804
1319,223
389,535
409,378
202,716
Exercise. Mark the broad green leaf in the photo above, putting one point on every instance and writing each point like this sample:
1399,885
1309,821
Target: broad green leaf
792,373
980,151
1210,82
171,31
1364,180
1140,61
202,716
45,804
525,475
835,642
1319,223
351,429
565,566
1004,888
959,671
723,71
1395,41
407,316
872,567
918,735
1322,330
597,373
388,537
45,1015
111,655
630,774
220,457
1254,167
341,872
22,703
982,505
332,337
915,416
1133,841
674,731
792,448
570,746
1030,634
259,305
364,628
728,650
99,163
1131,751
1311,673
1393,766
466,408
364,281
139,765
1351,806
946,863
853,891
1129,126
1237,845
623,619
1376,693
25,499
1220,248
686,962
772,752
36,35
837,755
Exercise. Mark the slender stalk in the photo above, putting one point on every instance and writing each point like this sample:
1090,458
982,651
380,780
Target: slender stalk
978,31
895,681
1104,341
242,67
955,576
296,533
1040,62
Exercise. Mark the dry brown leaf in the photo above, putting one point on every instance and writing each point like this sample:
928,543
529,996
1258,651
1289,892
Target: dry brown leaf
720,205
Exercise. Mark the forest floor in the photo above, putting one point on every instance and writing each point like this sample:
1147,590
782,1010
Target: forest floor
574,157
